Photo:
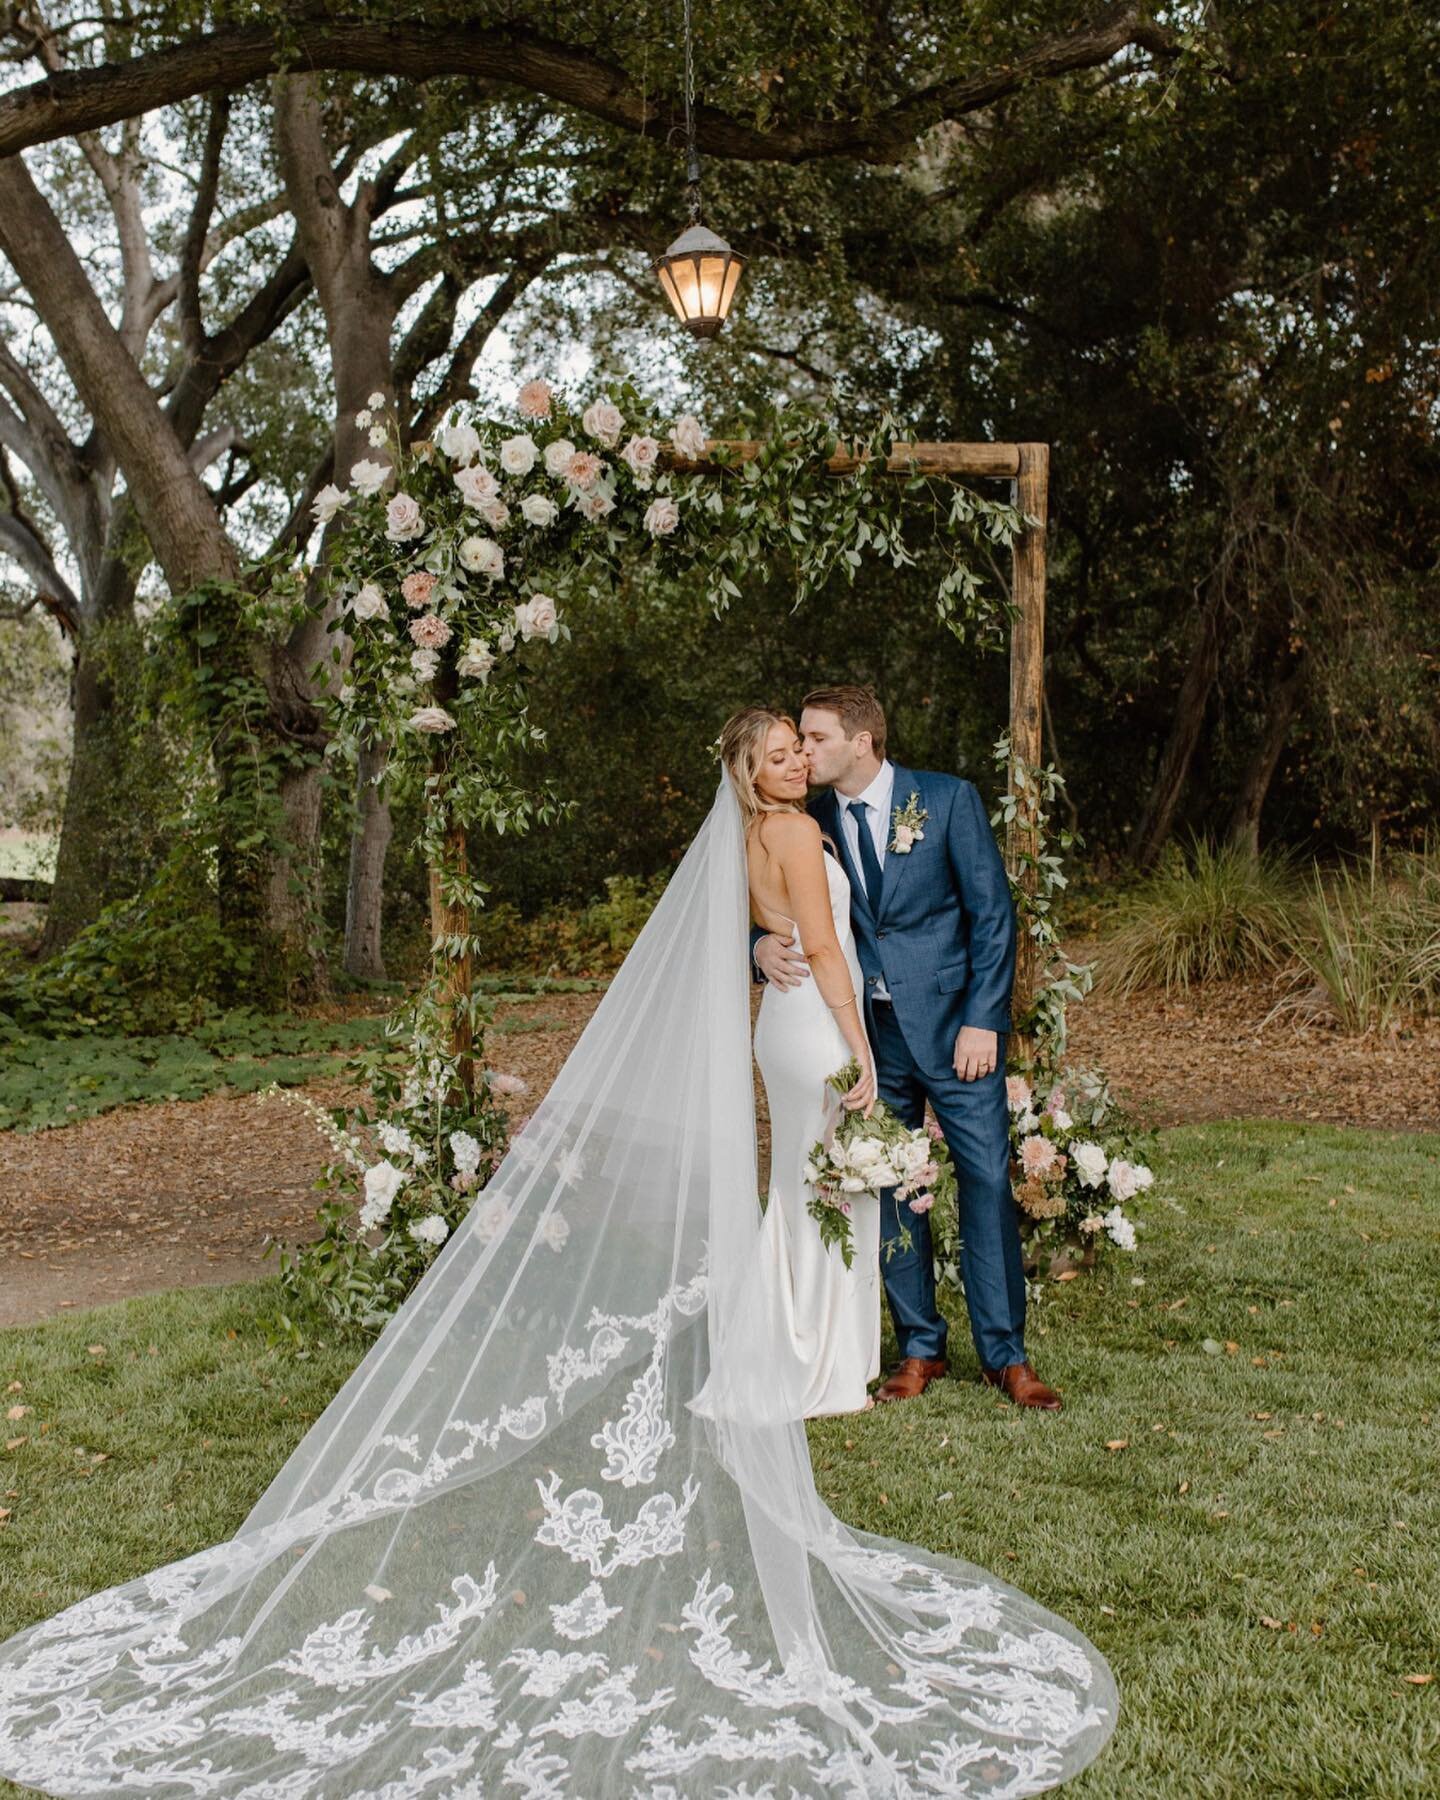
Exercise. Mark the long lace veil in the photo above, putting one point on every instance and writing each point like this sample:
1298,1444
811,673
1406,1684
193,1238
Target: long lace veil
510,1559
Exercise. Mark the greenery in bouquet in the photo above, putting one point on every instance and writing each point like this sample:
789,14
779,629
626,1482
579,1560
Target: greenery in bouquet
1074,1165
869,1155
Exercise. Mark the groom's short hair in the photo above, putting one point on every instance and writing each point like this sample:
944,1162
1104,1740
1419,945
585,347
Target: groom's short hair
857,709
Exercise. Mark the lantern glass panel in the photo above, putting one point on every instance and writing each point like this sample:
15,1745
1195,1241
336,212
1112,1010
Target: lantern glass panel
732,281
667,281
712,281
687,285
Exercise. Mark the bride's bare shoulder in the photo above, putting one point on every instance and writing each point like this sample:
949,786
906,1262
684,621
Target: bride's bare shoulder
789,833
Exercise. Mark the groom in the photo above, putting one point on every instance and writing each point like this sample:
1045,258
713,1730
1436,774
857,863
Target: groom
935,929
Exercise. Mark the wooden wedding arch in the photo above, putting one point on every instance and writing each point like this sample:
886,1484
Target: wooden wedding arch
1027,468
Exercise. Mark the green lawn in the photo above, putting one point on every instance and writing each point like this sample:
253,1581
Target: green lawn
1260,1560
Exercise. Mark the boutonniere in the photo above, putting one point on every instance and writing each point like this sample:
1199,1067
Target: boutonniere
908,825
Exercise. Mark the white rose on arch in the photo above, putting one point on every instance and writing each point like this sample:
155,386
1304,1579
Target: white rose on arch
518,455
689,439
604,421
328,502
539,510
477,661
538,617
369,477
432,719
460,442
557,457
369,603
477,484
661,516
403,519
595,504
495,513
641,456
483,556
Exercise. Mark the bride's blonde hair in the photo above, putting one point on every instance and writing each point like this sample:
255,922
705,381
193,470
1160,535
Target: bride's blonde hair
742,751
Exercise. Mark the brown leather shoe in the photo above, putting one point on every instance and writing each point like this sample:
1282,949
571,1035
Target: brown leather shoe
912,1377
1020,1383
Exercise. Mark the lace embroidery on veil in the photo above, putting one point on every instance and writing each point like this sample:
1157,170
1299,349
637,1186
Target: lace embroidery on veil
509,1559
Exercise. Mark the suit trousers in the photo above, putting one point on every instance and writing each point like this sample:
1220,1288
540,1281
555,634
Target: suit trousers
975,1120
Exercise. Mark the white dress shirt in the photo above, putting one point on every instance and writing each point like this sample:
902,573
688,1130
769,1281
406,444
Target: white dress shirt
878,797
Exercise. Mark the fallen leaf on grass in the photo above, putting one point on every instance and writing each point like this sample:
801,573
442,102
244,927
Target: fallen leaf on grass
1231,1346
1419,1680
95,1349
1211,1347
1068,1275
1271,1624
1118,1444
15,1443
1184,1488
1279,1432
17,1412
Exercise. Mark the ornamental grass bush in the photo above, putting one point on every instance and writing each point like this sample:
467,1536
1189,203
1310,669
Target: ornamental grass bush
1367,942
1209,913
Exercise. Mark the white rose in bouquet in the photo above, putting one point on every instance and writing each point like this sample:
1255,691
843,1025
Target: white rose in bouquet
368,477
689,439
483,556
328,502
518,454
1091,1164
460,442
867,1156
539,510
557,457
604,421
402,518
369,603
854,1184
424,664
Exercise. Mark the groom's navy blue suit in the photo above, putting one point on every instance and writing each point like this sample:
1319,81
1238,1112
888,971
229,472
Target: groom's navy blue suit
942,940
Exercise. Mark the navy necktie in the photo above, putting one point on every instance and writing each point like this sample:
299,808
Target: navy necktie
869,861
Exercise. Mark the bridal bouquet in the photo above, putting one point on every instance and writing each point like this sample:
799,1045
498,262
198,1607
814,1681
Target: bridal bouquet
865,1156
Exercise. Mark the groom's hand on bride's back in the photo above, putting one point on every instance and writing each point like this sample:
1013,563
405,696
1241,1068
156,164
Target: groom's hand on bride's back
780,962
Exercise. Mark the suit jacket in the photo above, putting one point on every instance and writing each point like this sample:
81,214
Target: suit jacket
943,934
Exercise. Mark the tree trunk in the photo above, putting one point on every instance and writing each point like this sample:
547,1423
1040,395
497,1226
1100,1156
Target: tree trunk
1158,815
365,891
1255,785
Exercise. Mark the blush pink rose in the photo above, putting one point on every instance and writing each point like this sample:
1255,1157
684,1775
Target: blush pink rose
1017,1092
417,588
642,454
402,518
430,632
922,1203
476,484
661,516
904,837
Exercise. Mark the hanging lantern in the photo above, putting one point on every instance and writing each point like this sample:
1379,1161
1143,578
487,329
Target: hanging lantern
699,272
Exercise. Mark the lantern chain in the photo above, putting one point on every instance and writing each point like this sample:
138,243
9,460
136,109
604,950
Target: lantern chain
692,152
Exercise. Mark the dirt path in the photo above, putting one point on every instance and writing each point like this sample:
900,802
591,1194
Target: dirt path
183,1193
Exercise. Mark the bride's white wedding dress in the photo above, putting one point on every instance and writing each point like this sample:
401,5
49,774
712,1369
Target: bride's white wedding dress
830,1315
509,1559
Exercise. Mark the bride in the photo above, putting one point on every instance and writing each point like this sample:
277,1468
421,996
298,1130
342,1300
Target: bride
827,1316
521,1553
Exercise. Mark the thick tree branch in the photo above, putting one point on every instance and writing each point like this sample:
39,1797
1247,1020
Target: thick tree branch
73,101
20,542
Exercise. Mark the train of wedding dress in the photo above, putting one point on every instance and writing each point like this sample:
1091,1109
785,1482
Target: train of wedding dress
509,1559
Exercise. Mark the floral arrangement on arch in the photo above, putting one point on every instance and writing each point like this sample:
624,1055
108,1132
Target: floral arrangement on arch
458,554
1073,1168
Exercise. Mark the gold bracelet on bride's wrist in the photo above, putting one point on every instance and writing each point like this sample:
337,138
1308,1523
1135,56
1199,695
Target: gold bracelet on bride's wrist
843,1004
